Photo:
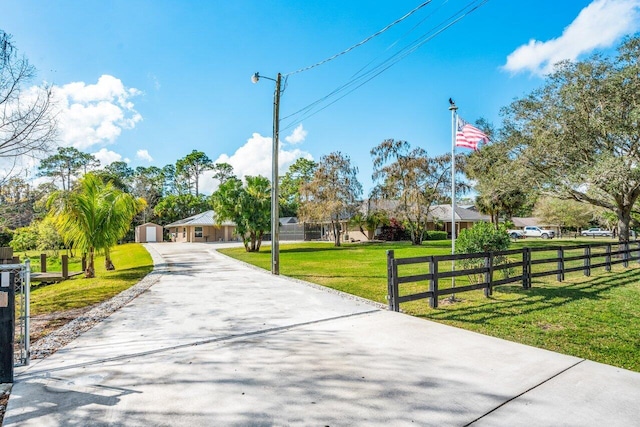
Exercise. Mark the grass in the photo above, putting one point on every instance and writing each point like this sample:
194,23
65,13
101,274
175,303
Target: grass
132,262
590,317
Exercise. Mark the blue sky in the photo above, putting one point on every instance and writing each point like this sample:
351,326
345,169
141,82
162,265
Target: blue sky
149,81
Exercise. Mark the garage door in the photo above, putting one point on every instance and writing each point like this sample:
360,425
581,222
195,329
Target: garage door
151,234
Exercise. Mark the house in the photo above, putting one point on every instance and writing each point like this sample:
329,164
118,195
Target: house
201,228
440,218
149,233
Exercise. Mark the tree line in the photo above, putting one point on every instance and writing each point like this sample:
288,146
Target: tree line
568,152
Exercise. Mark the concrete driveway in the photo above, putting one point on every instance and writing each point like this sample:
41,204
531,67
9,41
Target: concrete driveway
217,343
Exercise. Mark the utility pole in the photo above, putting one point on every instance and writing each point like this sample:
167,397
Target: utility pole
275,205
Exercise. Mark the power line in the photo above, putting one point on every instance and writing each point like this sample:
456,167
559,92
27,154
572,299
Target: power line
331,58
362,79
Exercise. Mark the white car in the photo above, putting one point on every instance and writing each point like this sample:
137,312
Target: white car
597,232
532,231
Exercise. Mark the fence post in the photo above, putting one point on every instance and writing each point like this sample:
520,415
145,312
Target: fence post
433,283
65,266
488,274
43,263
389,279
7,325
560,274
607,258
587,261
526,268
625,248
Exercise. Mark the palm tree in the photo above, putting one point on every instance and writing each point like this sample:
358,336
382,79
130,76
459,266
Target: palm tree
93,217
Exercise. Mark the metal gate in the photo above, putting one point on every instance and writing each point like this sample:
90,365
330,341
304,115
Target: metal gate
21,274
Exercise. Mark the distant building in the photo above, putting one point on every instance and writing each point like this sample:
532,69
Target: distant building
149,233
201,228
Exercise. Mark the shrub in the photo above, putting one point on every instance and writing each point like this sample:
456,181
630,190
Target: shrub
482,237
437,235
395,231
5,237
24,238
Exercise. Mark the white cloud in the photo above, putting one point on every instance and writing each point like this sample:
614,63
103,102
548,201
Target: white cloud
144,155
297,136
107,157
95,114
253,158
598,25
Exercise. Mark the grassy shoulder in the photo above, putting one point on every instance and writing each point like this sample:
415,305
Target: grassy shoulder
591,317
132,262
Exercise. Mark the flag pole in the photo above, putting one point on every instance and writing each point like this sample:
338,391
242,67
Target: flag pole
454,109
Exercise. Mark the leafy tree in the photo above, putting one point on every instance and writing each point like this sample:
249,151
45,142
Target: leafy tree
332,194
191,167
93,217
502,185
169,180
24,238
223,172
66,164
248,206
148,183
413,181
564,212
119,173
27,125
16,203
301,171
369,221
48,236
579,133
177,206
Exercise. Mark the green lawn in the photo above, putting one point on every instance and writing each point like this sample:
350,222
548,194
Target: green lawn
132,262
595,318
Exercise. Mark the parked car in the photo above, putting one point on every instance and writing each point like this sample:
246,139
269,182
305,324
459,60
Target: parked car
597,232
516,234
532,231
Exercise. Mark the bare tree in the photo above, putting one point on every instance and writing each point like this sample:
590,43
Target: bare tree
332,194
27,124
412,182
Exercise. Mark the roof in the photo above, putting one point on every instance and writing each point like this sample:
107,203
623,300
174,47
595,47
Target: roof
288,220
530,221
202,219
443,213
148,224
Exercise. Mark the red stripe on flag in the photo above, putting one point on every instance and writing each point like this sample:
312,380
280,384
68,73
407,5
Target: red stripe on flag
469,136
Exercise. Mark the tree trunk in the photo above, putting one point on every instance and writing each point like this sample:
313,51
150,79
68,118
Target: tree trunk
624,218
108,264
259,241
336,233
90,272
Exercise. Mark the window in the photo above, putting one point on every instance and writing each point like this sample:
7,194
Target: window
184,233
198,231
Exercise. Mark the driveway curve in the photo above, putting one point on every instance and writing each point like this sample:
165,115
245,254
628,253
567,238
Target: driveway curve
216,342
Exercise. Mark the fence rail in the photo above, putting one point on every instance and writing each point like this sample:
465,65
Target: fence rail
530,263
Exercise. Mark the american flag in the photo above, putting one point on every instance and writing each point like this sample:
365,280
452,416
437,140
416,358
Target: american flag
469,136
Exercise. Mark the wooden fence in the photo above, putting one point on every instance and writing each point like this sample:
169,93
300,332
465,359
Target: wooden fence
518,265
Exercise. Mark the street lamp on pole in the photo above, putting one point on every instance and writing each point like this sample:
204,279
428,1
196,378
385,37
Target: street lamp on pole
275,206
